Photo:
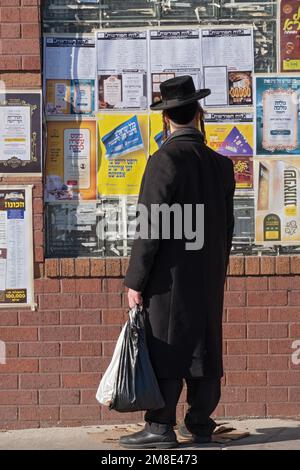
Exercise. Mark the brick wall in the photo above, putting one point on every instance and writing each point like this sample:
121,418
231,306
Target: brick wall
56,355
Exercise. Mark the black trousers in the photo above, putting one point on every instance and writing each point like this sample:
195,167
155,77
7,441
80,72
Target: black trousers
203,395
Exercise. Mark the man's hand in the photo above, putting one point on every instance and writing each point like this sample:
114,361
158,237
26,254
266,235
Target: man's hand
134,298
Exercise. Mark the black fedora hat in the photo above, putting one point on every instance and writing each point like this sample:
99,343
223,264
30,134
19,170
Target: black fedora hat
177,92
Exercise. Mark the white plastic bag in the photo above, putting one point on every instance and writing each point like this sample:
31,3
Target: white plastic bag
107,383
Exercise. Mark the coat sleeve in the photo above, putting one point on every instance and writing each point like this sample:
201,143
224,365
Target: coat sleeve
229,209
158,186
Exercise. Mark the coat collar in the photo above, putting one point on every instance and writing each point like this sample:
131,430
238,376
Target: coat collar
185,131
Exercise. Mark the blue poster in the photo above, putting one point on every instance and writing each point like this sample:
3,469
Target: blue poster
124,139
277,116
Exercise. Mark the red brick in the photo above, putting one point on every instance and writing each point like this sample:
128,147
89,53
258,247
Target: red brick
247,347
100,333
68,285
8,382
36,381
295,297
38,236
235,362
234,299
20,365
88,285
88,397
236,266
37,222
108,348
245,409
30,30
111,416
83,380
294,394
67,267
39,349
10,62
38,205
61,397
282,264
59,333
251,265
22,80
113,267
94,364
60,365
257,283
17,333
242,378
10,3
294,330
100,300
43,413
284,282
48,301
79,349
39,254
233,395
8,413
284,409
114,317
29,14
46,286
267,265
271,298
234,331
219,411
8,318
18,397
12,350
288,377
10,15
271,330
113,285
267,394
52,267
295,264
97,267
81,411
48,317
236,283
247,314
276,362
82,267
124,265
280,346
80,317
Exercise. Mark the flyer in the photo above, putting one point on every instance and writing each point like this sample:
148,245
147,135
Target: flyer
122,62
289,36
16,247
277,189
228,62
231,134
20,137
277,115
71,160
123,153
69,75
174,53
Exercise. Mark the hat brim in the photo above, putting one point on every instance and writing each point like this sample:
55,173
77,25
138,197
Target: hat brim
177,103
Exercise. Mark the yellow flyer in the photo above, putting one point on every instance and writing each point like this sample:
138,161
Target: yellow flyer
156,132
123,153
230,139
71,160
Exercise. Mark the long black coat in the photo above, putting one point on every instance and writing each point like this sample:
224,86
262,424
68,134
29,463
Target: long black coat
182,289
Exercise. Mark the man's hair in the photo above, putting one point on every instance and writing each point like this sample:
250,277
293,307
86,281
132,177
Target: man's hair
183,114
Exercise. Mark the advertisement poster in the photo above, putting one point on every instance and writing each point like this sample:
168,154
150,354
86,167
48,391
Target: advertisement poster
70,97
71,160
231,134
69,76
20,136
16,247
277,189
289,36
228,62
123,153
277,115
122,59
174,53
156,132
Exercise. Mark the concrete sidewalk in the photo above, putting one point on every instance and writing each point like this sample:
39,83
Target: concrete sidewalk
265,434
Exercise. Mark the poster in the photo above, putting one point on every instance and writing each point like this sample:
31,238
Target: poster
289,36
71,160
277,189
231,134
16,247
174,53
228,62
156,132
20,136
122,62
277,115
69,75
123,153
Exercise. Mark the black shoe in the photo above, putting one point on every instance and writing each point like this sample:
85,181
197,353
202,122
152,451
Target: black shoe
148,440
